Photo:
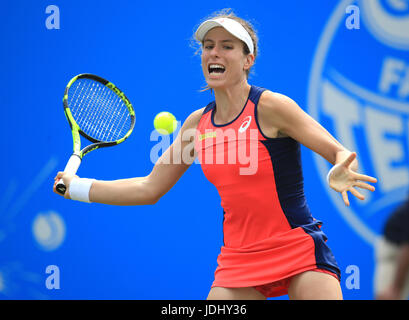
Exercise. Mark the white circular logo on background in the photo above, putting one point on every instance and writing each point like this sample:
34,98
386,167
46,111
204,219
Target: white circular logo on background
388,21
359,91
48,230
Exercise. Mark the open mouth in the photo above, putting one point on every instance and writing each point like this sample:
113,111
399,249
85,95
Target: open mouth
216,68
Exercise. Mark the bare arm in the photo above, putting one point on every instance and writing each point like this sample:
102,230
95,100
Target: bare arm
283,114
148,190
288,118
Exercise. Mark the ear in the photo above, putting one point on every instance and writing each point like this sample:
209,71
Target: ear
249,61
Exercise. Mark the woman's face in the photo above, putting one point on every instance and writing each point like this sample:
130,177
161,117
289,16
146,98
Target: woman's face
223,60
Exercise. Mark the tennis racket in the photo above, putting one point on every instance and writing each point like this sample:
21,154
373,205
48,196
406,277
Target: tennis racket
100,112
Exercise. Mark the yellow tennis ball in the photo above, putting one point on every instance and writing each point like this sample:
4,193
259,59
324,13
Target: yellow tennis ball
165,122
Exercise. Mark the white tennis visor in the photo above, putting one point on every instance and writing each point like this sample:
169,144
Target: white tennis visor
231,26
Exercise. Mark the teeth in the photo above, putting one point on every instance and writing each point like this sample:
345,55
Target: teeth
216,66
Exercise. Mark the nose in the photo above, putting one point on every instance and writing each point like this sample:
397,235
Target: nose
214,52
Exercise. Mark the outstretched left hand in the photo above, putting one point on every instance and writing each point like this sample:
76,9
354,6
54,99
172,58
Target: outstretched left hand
343,179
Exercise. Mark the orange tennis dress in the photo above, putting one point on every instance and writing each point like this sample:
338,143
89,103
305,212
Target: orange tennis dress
269,233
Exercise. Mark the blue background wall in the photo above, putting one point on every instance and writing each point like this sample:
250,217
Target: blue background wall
169,250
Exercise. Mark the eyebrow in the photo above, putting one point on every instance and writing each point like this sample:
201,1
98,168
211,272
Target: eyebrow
227,40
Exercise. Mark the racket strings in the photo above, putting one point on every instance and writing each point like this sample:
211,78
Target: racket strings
98,111
93,98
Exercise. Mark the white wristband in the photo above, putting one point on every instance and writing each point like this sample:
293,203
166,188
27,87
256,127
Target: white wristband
329,173
79,189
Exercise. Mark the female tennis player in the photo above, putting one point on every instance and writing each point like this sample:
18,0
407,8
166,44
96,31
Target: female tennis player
272,244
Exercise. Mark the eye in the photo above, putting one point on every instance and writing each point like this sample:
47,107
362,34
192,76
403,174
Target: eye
209,47
228,47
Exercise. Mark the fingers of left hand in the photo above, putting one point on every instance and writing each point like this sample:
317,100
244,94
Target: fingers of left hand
349,159
356,193
345,198
364,185
364,177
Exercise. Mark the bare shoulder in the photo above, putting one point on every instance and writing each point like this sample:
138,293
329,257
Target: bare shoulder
193,119
274,109
274,102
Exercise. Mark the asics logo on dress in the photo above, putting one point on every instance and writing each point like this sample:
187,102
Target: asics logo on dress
245,124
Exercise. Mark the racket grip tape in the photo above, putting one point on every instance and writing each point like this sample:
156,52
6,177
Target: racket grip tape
70,168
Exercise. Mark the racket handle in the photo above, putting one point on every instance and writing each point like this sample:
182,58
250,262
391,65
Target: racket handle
71,168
